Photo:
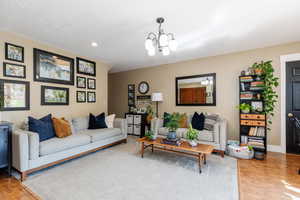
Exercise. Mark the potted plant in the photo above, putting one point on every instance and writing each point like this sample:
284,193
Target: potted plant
257,69
269,94
192,135
150,135
172,125
245,108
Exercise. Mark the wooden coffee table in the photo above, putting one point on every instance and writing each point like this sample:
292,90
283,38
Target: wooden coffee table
200,151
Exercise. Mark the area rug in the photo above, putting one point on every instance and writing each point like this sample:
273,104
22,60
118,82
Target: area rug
119,173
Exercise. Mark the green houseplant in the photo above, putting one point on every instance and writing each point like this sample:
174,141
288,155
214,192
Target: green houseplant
192,135
269,94
150,135
172,124
245,108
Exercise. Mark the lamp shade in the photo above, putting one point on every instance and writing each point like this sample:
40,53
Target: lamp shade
157,96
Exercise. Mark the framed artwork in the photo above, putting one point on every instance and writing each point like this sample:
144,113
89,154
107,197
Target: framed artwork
86,67
131,87
15,95
14,70
257,106
81,96
52,68
54,95
14,52
81,82
131,95
91,97
91,83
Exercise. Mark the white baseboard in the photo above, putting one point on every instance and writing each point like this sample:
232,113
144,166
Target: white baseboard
274,148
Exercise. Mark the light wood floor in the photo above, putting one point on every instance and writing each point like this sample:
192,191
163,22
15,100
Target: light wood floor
274,178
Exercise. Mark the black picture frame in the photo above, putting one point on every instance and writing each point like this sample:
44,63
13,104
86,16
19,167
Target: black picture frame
196,76
88,97
43,98
131,87
27,95
13,76
7,55
36,67
131,95
77,95
77,81
88,83
88,61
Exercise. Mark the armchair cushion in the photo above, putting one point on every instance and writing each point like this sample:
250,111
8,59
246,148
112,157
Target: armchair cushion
198,121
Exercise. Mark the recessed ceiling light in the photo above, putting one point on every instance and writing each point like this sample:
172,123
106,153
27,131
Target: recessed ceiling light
94,44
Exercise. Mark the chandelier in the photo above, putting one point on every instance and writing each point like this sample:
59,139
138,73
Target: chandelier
165,42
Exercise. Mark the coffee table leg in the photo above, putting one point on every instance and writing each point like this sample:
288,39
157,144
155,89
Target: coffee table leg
152,148
204,156
199,158
142,150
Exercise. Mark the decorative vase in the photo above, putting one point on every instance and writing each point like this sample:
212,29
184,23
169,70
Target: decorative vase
193,143
172,135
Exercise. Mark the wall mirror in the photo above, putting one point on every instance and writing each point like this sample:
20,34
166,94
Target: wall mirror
197,90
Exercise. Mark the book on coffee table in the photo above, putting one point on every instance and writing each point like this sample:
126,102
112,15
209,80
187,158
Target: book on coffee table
176,141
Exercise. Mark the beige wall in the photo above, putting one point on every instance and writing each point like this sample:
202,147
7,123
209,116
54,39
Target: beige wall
36,110
227,67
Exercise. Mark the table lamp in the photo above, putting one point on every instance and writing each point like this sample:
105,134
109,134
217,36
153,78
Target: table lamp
157,97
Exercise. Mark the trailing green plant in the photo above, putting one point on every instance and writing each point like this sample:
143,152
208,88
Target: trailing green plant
269,94
244,107
1,102
191,134
149,135
172,122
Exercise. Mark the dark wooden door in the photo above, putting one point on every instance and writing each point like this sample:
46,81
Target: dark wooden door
292,106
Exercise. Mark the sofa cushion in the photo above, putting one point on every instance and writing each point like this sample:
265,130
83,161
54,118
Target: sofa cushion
210,121
54,145
62,127
43,127
206,135
198,121
101,134
166,118
109,120
80,123
97,122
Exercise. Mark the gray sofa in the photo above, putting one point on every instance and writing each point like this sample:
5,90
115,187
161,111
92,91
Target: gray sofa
30,155
217,137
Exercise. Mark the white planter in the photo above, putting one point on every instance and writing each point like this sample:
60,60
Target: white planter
193,143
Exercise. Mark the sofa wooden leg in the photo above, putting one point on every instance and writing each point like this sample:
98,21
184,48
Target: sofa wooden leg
125,141
222,153
23,176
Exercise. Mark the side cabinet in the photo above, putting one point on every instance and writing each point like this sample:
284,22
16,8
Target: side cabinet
5,146
136,123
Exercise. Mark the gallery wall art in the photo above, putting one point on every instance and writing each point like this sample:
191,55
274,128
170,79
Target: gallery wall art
81,96
53,68
14,70
91,97
81,82
54,95
91,83
15,95
86,67
14,52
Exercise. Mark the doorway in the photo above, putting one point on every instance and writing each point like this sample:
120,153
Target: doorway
292,106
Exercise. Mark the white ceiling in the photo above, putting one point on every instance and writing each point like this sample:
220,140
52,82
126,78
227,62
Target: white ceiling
202,28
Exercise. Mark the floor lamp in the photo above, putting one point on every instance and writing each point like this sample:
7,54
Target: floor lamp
157,97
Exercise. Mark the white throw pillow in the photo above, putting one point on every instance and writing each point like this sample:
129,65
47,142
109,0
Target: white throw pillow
109,120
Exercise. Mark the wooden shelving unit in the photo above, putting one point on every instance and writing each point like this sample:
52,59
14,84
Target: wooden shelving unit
253,125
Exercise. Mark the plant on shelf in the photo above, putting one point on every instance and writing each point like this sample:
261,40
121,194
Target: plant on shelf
149,135
245,108
192,135
269,94
172,125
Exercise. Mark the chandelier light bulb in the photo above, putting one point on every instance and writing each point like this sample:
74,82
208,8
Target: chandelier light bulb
149,44
163,40
165,51
151,52
173,45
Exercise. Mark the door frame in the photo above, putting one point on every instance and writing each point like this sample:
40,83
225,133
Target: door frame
283,60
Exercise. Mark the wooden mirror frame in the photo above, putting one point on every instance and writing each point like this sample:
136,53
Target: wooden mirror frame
196,76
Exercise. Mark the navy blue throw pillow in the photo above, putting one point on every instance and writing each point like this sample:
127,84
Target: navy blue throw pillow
198,121
43,126
97,122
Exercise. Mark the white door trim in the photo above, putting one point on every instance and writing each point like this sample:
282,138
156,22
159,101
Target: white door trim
283,60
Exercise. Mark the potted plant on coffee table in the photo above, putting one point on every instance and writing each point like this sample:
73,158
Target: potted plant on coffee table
192,135
172,125
150,135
